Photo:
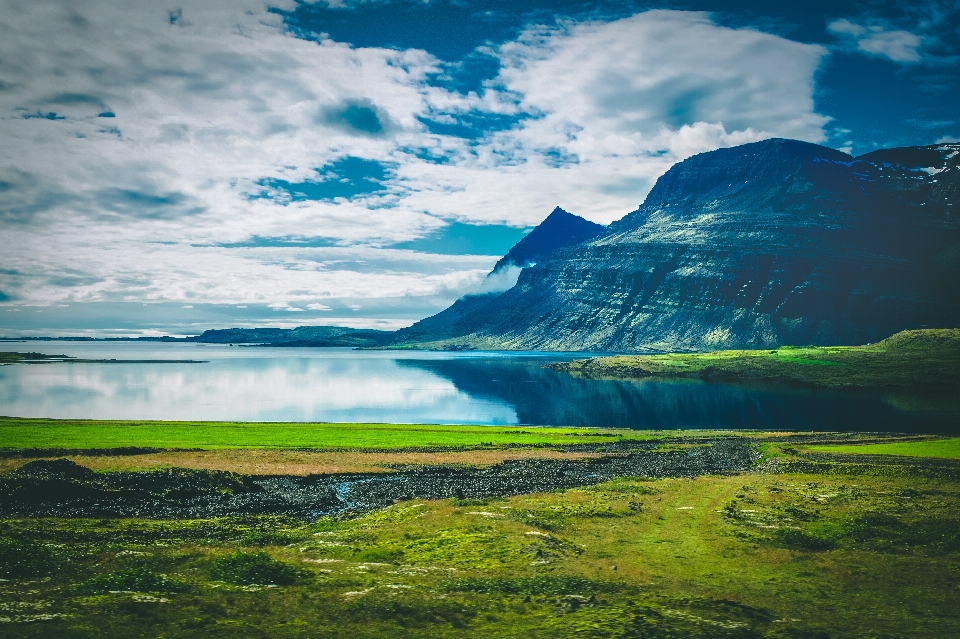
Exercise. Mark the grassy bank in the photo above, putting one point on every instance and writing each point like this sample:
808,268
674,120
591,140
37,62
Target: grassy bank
941,448
93,434
786,556
921,359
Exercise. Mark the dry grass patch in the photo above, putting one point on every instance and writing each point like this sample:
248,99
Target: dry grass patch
301,463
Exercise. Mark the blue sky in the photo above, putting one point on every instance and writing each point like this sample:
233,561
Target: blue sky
171,168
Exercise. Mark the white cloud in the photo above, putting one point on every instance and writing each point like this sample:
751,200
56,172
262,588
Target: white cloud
207,103
500,280
876,40
623,101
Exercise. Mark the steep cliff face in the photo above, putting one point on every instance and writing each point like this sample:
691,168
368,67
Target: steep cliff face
777,242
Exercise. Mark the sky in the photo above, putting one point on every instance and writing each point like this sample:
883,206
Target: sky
168,167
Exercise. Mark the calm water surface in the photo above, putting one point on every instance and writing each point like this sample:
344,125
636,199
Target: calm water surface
342,385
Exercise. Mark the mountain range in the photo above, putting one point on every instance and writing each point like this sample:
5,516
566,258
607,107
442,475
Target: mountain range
762,245
766,244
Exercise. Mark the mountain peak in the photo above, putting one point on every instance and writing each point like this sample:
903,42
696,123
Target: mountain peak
559,230
760,175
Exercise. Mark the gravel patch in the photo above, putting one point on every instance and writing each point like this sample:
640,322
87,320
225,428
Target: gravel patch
62,488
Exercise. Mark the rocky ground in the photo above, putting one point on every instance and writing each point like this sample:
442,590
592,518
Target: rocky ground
57,488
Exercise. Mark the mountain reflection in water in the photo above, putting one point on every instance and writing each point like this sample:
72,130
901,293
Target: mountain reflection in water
545,397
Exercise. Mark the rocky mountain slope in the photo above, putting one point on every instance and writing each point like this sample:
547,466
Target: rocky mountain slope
766,244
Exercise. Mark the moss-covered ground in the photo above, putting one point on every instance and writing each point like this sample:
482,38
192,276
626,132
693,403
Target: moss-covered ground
807,546
920,359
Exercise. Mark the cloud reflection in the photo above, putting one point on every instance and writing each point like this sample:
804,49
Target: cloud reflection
243,384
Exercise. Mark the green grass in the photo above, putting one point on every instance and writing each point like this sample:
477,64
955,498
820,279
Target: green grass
921,360
87,434
787,556
944,448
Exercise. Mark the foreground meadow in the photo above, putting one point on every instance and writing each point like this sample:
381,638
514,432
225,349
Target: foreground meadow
817,538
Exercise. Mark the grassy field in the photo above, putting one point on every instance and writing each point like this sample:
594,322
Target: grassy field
787,556
921,359
808,545
84,434
943,448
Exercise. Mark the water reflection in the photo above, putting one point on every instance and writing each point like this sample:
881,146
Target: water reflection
542,396
270,384
243,384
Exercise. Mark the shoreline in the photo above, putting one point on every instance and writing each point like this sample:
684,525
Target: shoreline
927,360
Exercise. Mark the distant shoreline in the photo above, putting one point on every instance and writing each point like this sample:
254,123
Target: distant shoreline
927,359
8,358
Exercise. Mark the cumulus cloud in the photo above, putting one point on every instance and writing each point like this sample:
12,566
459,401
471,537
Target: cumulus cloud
614,104
876,40
667,68
144,148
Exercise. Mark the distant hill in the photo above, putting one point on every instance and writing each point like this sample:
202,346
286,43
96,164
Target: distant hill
773,243
300,336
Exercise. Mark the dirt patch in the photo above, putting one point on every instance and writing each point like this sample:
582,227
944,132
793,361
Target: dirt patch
299,463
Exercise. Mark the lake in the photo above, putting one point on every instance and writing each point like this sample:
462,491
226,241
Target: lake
474,387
